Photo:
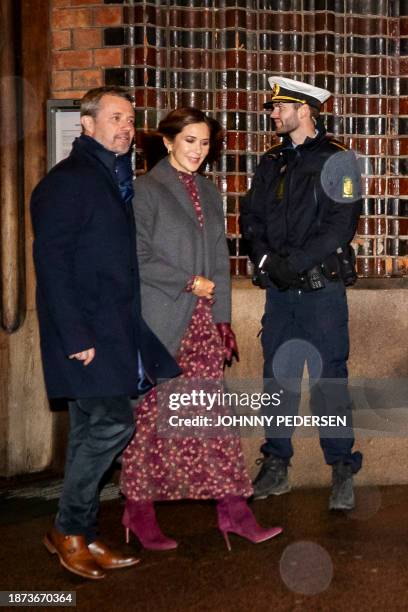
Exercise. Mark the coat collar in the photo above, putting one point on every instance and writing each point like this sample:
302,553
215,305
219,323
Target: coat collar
309,143
85,145
164,173
287,153
91,146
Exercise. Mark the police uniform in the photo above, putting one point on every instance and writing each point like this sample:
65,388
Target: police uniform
299,217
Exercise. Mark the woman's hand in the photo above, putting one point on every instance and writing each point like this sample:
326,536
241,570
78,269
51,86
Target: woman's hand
202,287
229,341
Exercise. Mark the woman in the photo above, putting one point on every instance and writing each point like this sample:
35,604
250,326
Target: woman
184,270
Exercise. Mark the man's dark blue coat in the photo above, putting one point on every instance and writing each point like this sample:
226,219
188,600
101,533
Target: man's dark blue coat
87,281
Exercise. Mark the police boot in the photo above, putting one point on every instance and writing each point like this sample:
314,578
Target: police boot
272,478
342,495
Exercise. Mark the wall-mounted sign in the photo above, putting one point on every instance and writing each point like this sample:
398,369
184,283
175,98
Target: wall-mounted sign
63,126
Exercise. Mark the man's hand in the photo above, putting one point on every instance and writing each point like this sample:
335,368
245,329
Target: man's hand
279,270
85,356
203,287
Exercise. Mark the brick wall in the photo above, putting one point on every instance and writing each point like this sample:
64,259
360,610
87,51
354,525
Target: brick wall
218,54
79,55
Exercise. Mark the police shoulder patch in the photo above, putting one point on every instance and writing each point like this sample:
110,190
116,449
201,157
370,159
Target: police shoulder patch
348,189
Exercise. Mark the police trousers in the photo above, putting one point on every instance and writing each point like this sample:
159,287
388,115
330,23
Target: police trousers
310,328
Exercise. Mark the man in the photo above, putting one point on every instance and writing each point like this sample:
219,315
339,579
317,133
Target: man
96,349
299,218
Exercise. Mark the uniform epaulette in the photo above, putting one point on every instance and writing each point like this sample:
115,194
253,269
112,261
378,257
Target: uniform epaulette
271,150
338,144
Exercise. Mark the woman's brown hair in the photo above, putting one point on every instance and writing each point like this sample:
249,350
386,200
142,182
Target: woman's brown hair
174,123
178,119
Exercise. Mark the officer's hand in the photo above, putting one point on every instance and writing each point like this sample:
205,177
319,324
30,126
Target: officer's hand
279,271
260,278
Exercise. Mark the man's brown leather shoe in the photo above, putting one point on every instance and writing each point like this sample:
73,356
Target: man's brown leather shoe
73,554
110,559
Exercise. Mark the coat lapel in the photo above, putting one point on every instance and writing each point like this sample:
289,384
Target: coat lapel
208,206
165,174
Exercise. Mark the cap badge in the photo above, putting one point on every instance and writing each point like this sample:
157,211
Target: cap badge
276,89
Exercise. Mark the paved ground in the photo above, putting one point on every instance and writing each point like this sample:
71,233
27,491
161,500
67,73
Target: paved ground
322,562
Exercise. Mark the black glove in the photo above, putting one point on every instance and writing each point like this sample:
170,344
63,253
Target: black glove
279,270
260,278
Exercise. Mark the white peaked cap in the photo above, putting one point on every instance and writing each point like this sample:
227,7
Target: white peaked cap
289,90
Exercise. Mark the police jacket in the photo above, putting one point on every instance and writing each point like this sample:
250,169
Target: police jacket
288,212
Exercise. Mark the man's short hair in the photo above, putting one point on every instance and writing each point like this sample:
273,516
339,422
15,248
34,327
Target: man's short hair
91,100
314,112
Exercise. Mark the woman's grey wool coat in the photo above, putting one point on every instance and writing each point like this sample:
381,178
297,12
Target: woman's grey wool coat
172,247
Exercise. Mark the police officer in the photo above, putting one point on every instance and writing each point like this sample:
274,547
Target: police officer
299,218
